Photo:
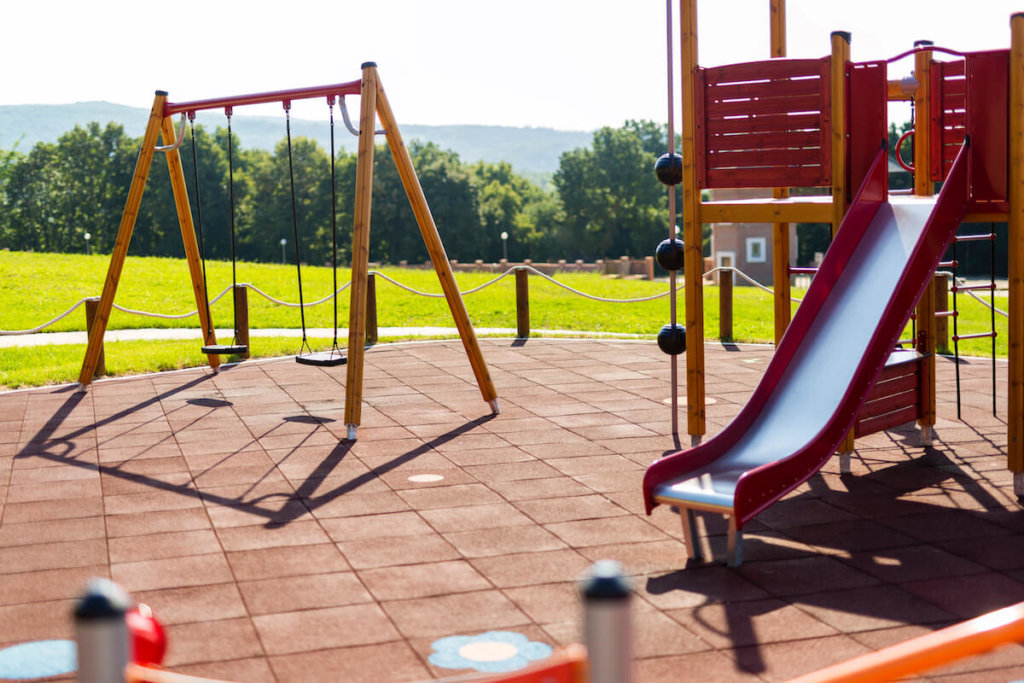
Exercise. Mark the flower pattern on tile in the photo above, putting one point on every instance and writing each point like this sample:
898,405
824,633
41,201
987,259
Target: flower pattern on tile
491,652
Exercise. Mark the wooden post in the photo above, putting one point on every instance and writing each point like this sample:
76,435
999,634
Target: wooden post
428,229
371,309
188,239
780,231
941,306
92,304
522,303
693,254
725,305
840,200
924,187
124,237
241,296
1015,407
360,251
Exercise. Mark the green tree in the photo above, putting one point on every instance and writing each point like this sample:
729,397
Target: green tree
613,203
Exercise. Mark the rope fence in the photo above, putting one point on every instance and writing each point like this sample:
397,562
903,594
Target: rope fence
181,316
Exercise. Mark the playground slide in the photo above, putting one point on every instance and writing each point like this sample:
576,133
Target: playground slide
884,254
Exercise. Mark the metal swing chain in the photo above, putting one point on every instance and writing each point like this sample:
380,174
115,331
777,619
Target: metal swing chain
334,226
231,195
199,219
295,226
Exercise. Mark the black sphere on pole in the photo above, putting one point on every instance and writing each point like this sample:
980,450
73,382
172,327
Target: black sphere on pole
669,254
672,339
669,169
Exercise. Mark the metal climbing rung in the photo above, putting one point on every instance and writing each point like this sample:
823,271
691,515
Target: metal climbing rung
949,264
973,288
947,314
979,335
802,271
985,237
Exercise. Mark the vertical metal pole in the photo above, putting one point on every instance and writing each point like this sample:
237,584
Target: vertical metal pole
673,365
693,253
101,632
607,623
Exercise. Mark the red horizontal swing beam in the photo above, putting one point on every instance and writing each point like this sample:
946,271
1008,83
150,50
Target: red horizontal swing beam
338,89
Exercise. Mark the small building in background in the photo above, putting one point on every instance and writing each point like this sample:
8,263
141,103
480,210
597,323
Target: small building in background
747,246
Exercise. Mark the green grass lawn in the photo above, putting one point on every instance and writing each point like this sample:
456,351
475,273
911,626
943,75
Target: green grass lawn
37,287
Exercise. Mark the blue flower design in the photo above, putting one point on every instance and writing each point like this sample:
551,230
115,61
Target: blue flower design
491,652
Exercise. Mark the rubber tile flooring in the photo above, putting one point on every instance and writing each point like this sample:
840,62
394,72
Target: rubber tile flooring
273,550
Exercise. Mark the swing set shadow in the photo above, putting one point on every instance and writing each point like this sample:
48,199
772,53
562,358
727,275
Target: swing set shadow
302,501
374,105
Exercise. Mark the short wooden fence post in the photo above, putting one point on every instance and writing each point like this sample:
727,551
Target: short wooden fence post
522,303
725,305
241,294
371,309
92,304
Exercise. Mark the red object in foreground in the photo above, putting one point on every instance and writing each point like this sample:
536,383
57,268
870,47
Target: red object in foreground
149,642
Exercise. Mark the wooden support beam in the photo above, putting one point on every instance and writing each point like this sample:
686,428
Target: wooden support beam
923,186
360,250
780,230
428,229
124,237
1015,407
188,239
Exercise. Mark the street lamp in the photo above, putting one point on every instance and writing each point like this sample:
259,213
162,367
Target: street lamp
504,245
283,242
87,237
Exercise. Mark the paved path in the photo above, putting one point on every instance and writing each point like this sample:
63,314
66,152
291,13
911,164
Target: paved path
47,338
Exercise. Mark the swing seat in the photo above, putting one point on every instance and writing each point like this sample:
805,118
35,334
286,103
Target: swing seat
225,349
323,359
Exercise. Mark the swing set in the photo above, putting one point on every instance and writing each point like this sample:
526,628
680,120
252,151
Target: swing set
374,105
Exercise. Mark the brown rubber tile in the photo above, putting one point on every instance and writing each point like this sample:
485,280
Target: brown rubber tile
273,550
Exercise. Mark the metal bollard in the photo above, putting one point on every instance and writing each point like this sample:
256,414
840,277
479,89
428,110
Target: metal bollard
101,632
607,623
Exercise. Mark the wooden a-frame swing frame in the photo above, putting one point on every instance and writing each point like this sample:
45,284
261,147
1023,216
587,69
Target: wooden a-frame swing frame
374,105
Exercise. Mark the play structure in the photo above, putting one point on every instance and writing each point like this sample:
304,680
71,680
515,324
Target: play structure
374,106
837,373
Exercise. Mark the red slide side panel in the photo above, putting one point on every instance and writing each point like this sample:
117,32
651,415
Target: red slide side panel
759,488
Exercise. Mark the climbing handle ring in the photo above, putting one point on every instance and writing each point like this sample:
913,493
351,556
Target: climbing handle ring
899,159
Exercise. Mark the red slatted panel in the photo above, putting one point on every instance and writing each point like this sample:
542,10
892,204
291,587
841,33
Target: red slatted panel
988,91
887,421
867,115
764,124
949,106
895,398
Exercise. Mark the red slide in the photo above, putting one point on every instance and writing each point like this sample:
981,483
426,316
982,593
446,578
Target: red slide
859,302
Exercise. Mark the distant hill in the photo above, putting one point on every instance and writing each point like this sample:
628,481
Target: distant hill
532,151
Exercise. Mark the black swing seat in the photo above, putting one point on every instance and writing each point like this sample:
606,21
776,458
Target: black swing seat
323,359
225,349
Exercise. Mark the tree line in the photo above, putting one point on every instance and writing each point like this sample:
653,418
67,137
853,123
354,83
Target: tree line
604,200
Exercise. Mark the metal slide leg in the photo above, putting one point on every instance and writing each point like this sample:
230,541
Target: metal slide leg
844,461
690,535
1018,484
734,557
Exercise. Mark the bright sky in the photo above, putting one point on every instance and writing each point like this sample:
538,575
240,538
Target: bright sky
568,64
